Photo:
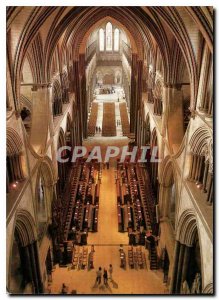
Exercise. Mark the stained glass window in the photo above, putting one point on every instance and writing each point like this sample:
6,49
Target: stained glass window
109,37
116,39
101,39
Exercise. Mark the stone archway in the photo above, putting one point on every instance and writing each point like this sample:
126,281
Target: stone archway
15,159
24,274
44,194
154,153
168,192
187,269
209,289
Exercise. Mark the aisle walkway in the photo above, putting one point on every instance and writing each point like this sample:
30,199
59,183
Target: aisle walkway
109,98
108,221
107,241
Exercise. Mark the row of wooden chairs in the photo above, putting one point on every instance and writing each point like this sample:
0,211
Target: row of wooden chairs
85,214
93,119
141,197
136,258
124,118
109,122
70,205
147,198
80,258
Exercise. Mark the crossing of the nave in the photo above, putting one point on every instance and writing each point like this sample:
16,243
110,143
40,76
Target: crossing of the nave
128,79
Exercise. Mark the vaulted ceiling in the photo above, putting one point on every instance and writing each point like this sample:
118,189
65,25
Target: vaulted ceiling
165,28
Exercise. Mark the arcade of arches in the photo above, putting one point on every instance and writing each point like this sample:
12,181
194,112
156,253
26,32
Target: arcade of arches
110,76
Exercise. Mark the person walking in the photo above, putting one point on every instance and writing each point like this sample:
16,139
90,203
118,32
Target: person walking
99,275
64,289
110,272
105,276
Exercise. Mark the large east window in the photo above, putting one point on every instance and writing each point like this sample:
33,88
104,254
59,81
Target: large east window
109,38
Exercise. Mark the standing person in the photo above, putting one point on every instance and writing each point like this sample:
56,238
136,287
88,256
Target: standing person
99,275
105,276
64,289
110,272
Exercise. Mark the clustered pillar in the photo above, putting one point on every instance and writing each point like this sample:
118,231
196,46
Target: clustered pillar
158,109
31,269
201,175
181,266
150,96
206,85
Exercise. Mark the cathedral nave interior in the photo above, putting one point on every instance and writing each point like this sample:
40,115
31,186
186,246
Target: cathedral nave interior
115,78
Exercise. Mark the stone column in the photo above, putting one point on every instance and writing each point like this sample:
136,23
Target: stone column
33,268
198,168
205,177
194,166
133,93
185,263
155,106
210,190
27,266
191,166
210,105
175,268
83,100
40,284
204,77
180,267
79,105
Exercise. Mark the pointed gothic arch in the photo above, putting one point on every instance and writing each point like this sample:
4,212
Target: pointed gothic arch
187,263
24,272
201,162
14,169
168,192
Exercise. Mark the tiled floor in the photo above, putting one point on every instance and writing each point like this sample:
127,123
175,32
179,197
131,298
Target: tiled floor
107,222
128,281
106,241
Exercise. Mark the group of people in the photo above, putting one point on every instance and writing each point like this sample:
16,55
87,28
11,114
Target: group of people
98,129
106,90
118,122
104,274
25,113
